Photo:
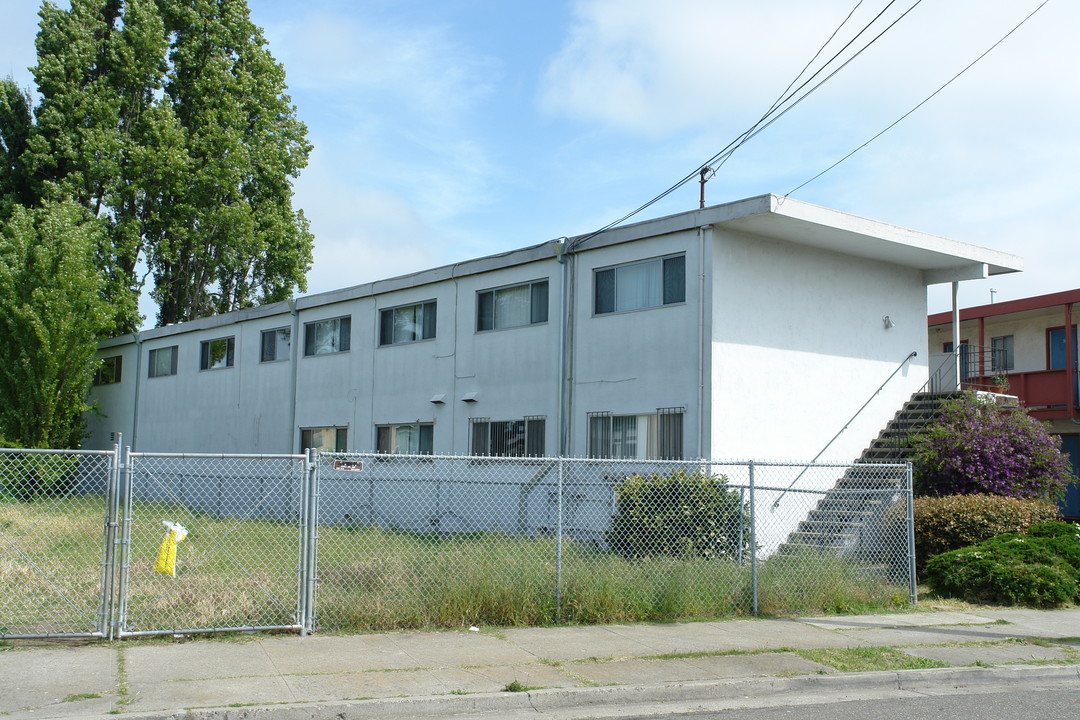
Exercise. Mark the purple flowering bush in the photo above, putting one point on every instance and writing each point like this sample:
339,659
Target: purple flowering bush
976,447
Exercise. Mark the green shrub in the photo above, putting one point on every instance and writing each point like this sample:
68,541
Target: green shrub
681,514
956,521
1040,570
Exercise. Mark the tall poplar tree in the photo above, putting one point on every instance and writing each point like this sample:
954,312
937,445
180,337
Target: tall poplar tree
51,317
168,119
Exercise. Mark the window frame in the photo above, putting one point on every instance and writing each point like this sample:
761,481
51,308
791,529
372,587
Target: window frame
664,435
113,375
428,323
342,336
528,433
538,310
386,439
153,362
1006,351
341,437
206,353
275,333
672,284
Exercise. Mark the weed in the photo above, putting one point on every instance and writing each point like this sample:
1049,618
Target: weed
516,686
81,696
866,659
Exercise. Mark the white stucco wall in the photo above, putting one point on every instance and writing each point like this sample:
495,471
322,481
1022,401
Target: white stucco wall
798,345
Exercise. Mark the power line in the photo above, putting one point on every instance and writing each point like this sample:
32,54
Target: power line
765,121
926,100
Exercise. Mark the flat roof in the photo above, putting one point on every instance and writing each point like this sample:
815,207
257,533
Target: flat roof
770,216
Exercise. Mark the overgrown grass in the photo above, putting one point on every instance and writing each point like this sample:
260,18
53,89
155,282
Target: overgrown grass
242,573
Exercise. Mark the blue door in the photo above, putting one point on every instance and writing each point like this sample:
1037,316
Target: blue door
1070,505
1056,339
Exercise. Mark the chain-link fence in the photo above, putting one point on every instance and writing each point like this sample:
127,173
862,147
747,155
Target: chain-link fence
364,542
54,567
243,552
452,541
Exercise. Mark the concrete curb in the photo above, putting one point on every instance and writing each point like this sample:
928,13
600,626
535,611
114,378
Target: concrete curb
592,700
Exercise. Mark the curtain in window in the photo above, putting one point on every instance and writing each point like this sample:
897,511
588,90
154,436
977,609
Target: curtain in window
512,307
639,286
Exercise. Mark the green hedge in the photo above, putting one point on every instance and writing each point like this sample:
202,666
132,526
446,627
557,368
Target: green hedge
956,521
1040,569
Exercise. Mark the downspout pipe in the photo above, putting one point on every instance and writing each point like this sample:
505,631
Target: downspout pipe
562,419
138,384
703,343
293,355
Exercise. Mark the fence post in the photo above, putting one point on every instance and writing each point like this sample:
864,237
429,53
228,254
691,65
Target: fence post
124,496
753,544
912,582
559,544
311,534
105,617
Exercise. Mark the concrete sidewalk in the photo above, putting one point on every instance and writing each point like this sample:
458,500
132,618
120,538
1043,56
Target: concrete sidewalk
569,672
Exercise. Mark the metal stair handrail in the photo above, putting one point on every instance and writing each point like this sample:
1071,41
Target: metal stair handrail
881,387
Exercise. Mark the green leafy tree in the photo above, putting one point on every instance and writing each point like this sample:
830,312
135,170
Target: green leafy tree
52,314
15,127
168,119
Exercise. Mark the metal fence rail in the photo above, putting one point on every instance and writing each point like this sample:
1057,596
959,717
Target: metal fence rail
360,541
54,559
431,539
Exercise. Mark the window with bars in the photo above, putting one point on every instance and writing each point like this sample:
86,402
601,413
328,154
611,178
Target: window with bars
408,323
656,435
508,438
1001,353
639,285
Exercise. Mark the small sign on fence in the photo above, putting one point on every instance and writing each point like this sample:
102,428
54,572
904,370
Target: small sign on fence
349,465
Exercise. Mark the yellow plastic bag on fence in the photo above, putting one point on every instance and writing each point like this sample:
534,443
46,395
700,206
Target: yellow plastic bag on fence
166,558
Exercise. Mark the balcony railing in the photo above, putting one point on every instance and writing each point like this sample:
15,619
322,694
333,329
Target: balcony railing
1043,392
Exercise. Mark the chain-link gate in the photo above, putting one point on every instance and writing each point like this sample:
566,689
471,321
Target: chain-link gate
55,554
246,555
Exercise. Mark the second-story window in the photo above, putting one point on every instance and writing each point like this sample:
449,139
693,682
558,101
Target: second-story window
108,372
162,361
515,306
328,336
275,344
639,285
217,353
408,323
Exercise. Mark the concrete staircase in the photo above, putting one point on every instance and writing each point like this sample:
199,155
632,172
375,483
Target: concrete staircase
849,518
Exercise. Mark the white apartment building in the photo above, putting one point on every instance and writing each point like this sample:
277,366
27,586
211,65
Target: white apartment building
753,329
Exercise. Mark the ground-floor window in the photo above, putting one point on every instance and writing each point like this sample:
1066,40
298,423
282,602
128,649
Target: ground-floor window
508,438
326,439
405,439
657,435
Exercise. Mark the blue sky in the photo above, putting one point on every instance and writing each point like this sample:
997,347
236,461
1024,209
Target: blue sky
453,129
